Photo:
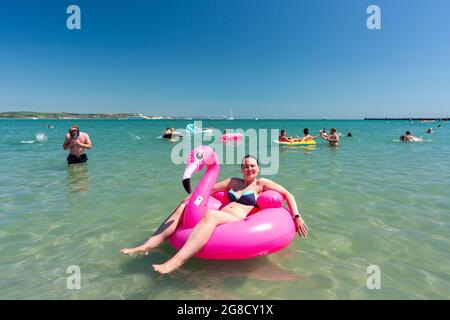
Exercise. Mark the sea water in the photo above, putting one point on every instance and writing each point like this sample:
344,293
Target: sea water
372,201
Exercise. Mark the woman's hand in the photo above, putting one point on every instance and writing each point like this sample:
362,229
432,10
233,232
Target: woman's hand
302,228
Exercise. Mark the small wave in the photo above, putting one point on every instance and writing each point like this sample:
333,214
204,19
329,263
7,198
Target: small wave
136,137
40,137
27,141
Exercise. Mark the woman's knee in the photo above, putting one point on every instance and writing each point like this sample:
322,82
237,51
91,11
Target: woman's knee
209,217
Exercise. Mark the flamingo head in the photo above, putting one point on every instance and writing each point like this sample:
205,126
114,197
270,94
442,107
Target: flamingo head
197,159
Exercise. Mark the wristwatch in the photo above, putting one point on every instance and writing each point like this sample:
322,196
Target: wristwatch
297,216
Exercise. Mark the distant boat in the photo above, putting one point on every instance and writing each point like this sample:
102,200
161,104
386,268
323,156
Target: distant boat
217,117
256,119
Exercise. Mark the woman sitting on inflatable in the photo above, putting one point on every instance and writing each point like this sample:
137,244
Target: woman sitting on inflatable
307,136
242,198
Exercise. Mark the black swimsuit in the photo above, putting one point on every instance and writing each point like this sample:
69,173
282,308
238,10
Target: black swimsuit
248,198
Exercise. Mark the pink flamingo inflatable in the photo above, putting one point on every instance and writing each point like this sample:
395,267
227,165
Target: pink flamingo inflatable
269,228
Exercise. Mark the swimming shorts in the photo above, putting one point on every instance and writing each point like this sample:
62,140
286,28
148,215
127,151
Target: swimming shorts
73,159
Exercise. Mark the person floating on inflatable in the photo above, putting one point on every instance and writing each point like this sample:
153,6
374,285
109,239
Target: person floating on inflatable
284,138
243,219
307,136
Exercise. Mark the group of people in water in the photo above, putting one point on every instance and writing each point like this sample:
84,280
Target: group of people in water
333,138
409,137
77,142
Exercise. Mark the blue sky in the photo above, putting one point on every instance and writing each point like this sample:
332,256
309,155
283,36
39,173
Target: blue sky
289,59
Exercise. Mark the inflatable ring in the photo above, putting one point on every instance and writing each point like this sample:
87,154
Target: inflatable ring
297,143
267,229
231,137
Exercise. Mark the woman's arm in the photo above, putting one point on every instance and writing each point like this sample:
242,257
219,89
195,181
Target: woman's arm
222,185
290,200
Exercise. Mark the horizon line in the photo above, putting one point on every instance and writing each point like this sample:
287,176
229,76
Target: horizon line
211,117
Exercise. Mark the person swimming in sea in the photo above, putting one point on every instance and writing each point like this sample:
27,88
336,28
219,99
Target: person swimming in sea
408,137
171,133
168,133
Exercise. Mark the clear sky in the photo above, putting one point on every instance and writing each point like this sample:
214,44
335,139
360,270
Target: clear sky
261,58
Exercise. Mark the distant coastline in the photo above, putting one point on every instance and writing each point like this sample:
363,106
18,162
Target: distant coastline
137,116
67,115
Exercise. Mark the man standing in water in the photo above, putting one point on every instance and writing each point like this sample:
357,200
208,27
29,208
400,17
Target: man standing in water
76,141
333,139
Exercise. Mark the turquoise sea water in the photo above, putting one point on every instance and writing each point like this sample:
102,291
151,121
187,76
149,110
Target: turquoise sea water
371,201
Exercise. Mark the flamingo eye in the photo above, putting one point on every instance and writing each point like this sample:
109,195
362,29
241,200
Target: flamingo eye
199,156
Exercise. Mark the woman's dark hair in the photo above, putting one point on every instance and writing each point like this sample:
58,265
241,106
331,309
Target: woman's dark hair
282,131
252,157
306,131
408,133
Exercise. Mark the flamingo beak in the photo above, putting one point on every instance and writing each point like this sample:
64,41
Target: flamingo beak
188,173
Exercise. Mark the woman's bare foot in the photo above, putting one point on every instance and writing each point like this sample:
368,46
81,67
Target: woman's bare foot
167,267
139,249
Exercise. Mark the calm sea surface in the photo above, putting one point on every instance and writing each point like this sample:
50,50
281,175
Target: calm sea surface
371,201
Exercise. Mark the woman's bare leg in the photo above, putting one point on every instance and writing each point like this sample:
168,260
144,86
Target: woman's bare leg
164,231
197,239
